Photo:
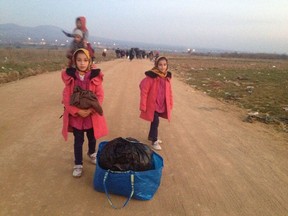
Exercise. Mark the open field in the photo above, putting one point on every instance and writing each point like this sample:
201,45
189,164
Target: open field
257,85
24,62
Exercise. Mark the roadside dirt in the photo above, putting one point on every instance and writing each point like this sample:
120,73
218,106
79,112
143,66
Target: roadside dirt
214,163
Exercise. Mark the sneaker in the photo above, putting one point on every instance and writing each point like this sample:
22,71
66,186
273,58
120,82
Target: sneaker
77,171
92,157
156,146
158,140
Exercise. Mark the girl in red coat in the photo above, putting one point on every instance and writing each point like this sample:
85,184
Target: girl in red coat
78,120
156,99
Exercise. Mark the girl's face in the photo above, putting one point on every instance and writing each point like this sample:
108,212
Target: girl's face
78,24
162,65
82,62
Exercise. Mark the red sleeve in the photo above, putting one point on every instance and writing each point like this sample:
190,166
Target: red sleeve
66,98
97,88
99,92
144,89
171,95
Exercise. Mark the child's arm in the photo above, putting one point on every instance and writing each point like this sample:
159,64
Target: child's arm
66,102
66,94
84,112
68,34
85,35
99,93
85,38
144,89
171,96
85,44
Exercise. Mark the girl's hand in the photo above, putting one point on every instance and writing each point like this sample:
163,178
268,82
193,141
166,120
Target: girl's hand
84,112
92,111
85,44
93,66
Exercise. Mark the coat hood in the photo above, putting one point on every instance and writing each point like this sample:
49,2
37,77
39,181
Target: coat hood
70,74
151,74
83,23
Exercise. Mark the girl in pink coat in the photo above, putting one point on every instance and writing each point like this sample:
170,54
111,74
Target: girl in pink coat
156,99
78,120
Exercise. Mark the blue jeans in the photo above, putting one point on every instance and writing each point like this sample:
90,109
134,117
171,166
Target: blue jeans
78,144
153,132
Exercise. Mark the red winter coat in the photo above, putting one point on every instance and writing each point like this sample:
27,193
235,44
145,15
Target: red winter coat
95,85
148,95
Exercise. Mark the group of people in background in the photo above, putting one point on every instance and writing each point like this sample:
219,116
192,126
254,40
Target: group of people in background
136,53
156,98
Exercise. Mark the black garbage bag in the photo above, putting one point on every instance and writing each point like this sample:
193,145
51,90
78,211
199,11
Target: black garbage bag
122,154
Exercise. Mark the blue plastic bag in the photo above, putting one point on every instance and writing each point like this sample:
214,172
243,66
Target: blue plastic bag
141,185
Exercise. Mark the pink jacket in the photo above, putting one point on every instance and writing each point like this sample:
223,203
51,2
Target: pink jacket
148,95
98,121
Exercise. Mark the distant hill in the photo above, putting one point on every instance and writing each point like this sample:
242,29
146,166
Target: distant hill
13,34
51,35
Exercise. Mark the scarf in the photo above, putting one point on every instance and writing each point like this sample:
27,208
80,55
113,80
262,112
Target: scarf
86,52
158,72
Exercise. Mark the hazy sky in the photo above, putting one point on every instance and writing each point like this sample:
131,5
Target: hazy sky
239,25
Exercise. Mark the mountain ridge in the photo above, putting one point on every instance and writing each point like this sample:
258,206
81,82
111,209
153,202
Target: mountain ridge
11,33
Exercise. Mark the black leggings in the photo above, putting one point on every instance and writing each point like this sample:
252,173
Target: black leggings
78,144
153,132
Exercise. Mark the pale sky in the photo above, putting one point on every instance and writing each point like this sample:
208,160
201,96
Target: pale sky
236,25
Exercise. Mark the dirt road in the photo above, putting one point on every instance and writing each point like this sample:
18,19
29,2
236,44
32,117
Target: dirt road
215,164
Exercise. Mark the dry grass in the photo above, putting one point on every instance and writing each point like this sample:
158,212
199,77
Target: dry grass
18,63
258,85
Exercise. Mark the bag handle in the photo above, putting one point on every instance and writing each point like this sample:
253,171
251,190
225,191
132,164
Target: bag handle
107,194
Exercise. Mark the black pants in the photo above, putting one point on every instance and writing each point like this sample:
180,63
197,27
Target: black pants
78,144
153,132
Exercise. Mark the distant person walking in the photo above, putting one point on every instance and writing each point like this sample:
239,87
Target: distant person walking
104,53
151,55
132,54
156,55
78,120
156,99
